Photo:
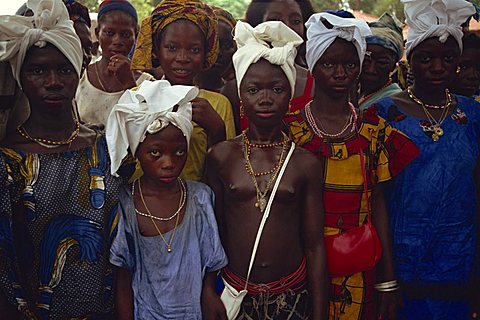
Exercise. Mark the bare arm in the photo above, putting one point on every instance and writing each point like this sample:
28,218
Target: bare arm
123,294
214,181
385,269
207,118
212,306
313,221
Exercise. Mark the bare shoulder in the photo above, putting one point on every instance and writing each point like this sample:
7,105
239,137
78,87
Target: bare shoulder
224,149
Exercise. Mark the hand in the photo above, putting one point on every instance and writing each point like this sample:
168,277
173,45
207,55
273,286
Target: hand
119,66
212,306
207,118
388,304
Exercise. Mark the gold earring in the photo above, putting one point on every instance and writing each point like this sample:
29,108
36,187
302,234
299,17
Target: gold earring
458,70
242,110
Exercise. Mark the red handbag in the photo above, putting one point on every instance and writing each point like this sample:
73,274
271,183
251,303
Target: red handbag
357,249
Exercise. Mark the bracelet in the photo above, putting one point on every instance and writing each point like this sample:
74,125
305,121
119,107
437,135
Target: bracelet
387,286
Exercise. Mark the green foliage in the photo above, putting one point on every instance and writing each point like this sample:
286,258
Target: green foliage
237,7
143,7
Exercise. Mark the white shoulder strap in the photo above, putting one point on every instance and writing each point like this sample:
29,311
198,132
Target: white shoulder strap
266,213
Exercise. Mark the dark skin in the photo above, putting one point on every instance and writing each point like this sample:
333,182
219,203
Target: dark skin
116,33
296,218
212,79
335,74
162,156
181,50
433,65
377,66
49,81
467,77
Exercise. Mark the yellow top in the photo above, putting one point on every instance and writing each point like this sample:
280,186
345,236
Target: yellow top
195,166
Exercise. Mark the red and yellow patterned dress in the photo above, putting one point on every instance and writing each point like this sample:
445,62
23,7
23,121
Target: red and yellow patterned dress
386,151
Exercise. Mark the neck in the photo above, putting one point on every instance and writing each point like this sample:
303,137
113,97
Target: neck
325,106
152,186
368,90
51,126
260,135
429,95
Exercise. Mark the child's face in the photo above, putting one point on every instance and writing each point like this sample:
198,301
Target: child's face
181,51
116,33
287,11
163,155
338,69
265,94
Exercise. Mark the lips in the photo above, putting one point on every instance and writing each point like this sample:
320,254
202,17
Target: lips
168,180
265,114
54,99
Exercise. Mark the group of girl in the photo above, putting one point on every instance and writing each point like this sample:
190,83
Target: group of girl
115,226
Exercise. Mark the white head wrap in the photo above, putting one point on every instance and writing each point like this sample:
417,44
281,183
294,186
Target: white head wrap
319,37
272,41
435,18
50,23
148,109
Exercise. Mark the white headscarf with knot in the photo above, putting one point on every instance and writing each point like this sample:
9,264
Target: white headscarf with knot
319,37
147,109
50,23
435,18
272,41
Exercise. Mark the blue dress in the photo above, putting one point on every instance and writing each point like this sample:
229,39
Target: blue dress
432,209
168,285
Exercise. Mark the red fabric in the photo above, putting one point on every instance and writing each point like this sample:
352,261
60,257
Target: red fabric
295,281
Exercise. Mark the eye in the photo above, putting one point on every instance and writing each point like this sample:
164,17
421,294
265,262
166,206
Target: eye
425,59
195,50
180,152
155,153
327,64
351,65
66,71
36,71
109,33
297,21
126,34
449,58
278,90
171,47
252,90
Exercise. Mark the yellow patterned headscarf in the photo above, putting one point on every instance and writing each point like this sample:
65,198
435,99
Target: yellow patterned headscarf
167,12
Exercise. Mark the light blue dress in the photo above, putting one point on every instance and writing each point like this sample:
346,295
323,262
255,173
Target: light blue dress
168,285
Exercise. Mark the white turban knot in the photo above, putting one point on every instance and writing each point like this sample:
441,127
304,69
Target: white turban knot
147,109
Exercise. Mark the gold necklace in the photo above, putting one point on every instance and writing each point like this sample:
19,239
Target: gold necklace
98,77
50,143
169,243
261,202
181,203
448,100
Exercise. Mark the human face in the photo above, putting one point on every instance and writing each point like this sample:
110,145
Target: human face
265,94
467,79
433,63
227,48
116,33
379,62
181,52
48,79
287,11
162,155
86,40
337,70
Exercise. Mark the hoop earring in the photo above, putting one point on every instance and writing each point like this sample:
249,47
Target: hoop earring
458,70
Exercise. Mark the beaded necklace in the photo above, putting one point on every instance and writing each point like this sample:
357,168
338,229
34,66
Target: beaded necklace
261,202
50,143
352,119
368,96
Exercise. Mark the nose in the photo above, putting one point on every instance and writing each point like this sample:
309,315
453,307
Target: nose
167,162
53,80
182,56
437,66
265,98
339,72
